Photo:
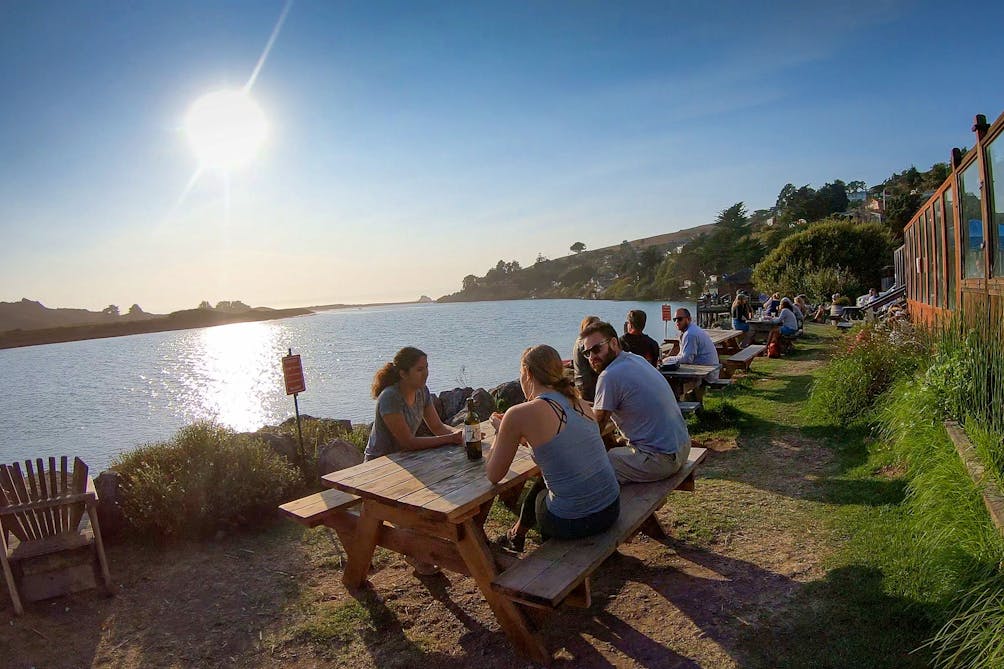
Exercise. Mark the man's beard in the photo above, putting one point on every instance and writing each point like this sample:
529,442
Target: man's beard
605,360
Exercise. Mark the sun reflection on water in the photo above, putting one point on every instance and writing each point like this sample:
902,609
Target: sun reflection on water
230,374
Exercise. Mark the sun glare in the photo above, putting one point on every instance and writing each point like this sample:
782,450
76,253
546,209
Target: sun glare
226,129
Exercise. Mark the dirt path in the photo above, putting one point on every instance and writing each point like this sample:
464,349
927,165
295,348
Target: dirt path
750,544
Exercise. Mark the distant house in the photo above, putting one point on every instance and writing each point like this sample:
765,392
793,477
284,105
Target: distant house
741,280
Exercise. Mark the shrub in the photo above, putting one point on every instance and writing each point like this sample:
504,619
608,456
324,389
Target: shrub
829,256
317,431
869,363
206,478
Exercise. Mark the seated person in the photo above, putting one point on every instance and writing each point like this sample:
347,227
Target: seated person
637,398
771,306
742,312
787,319
403,402
836,310
578,495
635,340
696,347
585,377
801,307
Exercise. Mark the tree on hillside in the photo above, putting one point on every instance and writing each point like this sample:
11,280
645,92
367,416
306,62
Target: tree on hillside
829,256
541,258
899,210
204,304
470,282
135,310
111,310
577,247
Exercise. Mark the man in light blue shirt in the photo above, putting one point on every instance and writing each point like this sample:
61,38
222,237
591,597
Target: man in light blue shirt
635,395
696,347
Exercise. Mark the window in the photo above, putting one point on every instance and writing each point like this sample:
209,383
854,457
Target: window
928,259
995,166
972,222
939,254
950,251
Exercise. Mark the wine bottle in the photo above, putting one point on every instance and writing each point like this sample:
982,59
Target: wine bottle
472,431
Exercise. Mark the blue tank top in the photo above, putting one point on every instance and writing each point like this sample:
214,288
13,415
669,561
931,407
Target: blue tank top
578,474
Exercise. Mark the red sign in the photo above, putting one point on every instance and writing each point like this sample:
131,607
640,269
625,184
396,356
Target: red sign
292,374
667,312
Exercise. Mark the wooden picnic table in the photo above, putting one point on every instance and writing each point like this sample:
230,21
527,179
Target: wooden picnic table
761,328
432,505
726,341
685,378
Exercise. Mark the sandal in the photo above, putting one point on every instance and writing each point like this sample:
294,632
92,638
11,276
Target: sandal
512,542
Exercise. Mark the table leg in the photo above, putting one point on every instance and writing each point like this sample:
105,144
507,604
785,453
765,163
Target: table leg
473,548
360,549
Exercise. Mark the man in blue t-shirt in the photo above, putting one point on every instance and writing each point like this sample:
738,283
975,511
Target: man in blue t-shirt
696,347
639,400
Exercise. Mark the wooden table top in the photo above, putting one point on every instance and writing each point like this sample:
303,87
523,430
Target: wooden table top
691,371
717,336
437,482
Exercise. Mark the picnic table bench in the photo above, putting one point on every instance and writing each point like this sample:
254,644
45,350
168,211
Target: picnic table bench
742,360
560,567
432,505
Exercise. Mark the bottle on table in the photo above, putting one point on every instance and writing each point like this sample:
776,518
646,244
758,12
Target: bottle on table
472,432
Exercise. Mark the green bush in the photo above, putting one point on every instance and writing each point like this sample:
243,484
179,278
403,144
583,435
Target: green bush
866,367
206,478
829,256
317,431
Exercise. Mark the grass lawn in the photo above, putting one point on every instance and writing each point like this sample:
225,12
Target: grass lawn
776,560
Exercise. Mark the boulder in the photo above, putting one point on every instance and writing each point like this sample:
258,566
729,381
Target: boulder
507,394
438,404
285,445
339,425
335,455
484,404
110,515
454,400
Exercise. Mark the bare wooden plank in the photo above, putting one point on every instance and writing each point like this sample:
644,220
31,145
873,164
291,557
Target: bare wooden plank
57,517
35,587
53,544
80,479
63,490
50,525
27,517
12,523
322,502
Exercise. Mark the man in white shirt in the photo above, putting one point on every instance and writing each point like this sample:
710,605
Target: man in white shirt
696,347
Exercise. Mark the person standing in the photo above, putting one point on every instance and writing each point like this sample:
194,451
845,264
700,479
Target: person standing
696,347
403,402
635,340
583,374
637,398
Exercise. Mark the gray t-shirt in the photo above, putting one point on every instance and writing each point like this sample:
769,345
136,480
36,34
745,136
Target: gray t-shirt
642,404
391,401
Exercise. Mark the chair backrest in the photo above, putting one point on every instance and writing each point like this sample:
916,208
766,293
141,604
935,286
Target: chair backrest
41,490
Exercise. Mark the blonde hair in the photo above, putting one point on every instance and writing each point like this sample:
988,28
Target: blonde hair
544,365
587,321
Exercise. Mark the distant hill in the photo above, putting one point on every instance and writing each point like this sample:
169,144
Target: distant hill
32,315
612,272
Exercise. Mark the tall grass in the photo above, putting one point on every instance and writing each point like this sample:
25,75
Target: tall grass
865,367
951,552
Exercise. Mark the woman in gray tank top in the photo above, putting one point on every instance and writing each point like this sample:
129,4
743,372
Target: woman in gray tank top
579,495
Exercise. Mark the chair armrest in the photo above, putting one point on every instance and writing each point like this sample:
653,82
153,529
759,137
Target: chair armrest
53,502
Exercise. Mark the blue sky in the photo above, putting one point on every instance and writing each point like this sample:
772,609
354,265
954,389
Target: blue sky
414,143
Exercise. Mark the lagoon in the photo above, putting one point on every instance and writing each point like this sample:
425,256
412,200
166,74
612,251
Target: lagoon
100,397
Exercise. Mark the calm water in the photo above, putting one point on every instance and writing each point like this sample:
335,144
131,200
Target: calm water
100,397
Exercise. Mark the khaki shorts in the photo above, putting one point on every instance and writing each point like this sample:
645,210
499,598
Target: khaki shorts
634,466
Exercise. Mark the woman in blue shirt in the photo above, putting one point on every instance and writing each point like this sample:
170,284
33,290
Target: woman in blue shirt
579,495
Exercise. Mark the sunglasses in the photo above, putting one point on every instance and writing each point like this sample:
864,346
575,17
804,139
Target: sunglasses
594,349
680,318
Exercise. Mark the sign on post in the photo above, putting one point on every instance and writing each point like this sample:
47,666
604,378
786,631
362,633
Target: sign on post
667,316
292,374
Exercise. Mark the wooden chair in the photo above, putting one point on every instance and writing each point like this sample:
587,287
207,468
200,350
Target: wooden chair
42,537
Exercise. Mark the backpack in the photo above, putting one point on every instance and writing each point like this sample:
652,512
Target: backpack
773,350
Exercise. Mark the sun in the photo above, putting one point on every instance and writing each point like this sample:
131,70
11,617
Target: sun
226,129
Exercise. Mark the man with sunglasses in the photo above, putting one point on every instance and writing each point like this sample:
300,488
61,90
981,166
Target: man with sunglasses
633,393
696,347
